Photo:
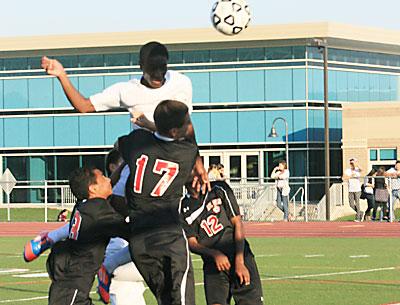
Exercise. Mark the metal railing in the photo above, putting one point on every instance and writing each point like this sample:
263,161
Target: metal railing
256,198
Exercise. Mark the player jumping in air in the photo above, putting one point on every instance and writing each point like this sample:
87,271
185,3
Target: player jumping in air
214,229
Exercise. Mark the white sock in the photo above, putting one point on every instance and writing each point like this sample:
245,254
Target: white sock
59,234
112,262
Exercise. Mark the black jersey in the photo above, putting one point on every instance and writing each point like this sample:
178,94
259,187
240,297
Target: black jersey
208,218
73,263
158,171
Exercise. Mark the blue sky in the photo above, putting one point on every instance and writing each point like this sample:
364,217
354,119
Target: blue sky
44,17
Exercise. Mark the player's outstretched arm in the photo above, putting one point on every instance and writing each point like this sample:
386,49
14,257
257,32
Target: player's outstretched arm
221,260
79,102
241,270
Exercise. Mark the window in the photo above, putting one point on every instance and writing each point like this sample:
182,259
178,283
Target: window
387,154
97,161
235,168
117,59
92,60
252,168
373,155
248,54
223,55
65,165
196,56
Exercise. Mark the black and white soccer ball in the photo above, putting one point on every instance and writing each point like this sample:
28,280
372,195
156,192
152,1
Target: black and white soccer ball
230,17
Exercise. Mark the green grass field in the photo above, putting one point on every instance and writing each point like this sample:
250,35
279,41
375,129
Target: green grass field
302,271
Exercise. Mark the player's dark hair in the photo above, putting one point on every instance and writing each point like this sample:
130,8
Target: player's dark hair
153,58
113,157
169,114
283,162
398,161
80,180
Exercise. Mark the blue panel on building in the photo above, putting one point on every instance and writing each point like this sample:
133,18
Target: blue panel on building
342,91
40,93
374,87
89,85
352,86
116,126
223,87
384,87
1,94
41,132
251,86
91,130
201,123
251,126
60,100
316,125
363,83
66,131
113,79
201,86
15,93
224,127
332,86
299,132
279,85
16,132
1,132
299,84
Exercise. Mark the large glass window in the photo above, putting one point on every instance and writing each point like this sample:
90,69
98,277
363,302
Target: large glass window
40,93
252,168
201,86
271,160
201,123
91,130
91,60
226,55
15,63
387,154
235,168
16,132
117,59
65,165
41,132
97,161
116,126
15,93
278,85
196,56
89,85
247,54
251,86
224,127
69,61
223,87
251,126
66,132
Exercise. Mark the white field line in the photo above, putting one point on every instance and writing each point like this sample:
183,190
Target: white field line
313,255
263,279
32,275
328,274
256,256
11,271
359,256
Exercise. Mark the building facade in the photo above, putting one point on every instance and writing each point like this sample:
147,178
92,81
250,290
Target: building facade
240,85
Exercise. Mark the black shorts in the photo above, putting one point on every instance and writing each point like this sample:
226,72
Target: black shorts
59,295
163,259
221,286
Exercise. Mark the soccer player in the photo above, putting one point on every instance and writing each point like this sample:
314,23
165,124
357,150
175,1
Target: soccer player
214,229
139,96
74,262
160,165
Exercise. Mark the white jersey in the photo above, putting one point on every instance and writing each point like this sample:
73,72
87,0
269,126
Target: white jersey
135,97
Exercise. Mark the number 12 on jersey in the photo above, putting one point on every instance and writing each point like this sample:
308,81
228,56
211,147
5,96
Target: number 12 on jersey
169,170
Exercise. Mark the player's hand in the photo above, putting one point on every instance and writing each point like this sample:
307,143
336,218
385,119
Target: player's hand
52,66
243,274
138,118
221,261
200,179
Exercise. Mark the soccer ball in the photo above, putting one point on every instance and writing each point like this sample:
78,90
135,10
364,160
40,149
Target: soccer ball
230,17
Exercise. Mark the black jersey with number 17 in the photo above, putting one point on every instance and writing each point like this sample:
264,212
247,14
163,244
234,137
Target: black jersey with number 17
158,170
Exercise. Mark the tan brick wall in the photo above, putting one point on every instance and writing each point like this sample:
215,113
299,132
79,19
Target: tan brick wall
369,125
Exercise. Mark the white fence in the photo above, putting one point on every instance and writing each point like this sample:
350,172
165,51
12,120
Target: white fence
257,198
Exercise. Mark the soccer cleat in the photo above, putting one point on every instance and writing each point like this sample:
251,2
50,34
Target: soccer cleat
103,287
36,246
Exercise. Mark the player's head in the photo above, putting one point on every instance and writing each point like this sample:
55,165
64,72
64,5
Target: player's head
113,161
172,119
87,183
153,60
397,166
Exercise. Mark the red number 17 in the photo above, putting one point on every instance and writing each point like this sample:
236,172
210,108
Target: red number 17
169,170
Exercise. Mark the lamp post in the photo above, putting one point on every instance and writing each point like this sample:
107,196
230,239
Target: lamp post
323,47
273,134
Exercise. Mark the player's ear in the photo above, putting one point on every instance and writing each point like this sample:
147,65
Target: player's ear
92,189
174,133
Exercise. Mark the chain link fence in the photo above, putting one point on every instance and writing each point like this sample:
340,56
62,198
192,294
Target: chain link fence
256,198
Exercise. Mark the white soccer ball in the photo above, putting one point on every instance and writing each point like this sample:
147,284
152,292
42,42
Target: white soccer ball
230,17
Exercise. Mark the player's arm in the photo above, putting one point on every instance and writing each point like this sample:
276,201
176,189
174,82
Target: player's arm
77,100
241,270
221,260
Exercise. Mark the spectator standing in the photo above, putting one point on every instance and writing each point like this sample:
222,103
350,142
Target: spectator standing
369,194
394,175
281,175
352,175
381,193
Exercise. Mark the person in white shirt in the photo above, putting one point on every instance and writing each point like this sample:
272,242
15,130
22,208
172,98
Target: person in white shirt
139,96
394,175
352,175
281,175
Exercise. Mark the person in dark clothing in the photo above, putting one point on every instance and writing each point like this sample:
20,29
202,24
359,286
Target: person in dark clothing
214,229
381,193
74,262
368,192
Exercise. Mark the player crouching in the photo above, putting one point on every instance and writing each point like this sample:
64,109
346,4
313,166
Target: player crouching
214,229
